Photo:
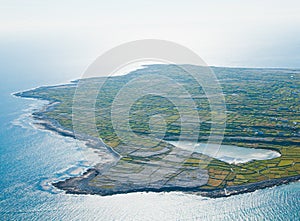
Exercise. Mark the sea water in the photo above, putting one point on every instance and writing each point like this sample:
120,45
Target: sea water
32,158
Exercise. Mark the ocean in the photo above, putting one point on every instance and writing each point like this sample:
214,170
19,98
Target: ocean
32,158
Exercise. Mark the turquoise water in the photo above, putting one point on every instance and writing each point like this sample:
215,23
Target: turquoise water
32,158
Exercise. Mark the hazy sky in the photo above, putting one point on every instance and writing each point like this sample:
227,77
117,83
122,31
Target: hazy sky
71,34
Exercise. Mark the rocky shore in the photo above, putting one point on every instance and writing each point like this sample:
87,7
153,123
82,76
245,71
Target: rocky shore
80,185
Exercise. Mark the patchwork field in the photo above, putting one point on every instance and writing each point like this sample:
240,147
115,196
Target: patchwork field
262,111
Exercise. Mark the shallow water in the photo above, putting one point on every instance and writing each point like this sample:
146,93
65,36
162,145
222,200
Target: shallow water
228,153
31,159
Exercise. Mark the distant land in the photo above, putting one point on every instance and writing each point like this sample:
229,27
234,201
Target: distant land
263,112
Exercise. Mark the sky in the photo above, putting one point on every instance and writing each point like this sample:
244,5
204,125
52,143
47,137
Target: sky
66,36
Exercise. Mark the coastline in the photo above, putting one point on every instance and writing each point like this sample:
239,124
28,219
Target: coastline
80,184
108,156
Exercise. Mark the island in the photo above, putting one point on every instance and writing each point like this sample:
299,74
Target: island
262,113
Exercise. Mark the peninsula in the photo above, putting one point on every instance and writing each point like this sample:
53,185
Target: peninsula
262,112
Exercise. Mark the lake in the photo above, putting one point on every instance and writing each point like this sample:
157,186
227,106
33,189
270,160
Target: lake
228,153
